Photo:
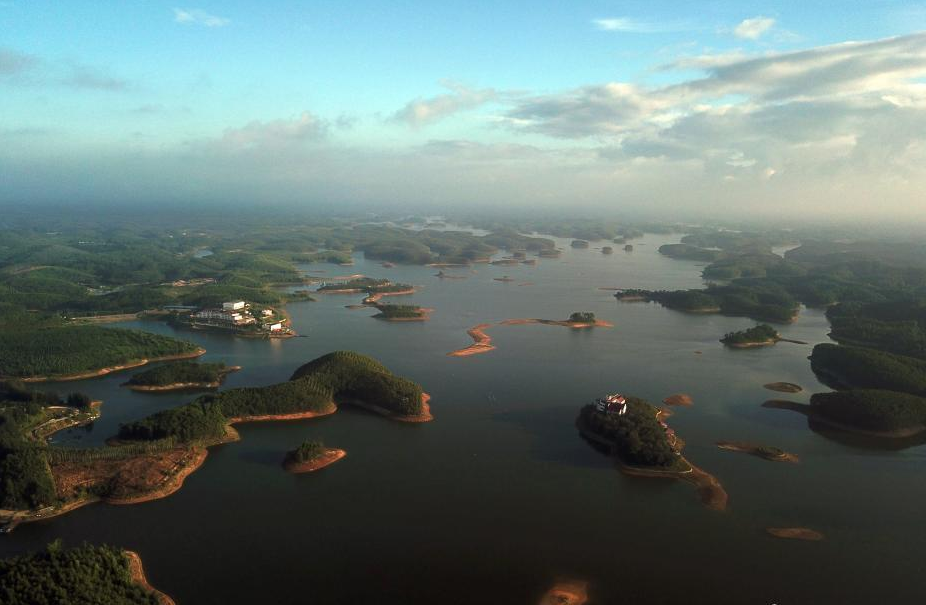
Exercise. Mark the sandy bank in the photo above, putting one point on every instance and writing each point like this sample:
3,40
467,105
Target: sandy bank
182,386
104,371
569,592
482,342
752,345
783,387
330,456
137,573
377,296
682,399
599,323
772,454
795,533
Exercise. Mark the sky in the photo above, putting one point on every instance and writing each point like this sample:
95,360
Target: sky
714,107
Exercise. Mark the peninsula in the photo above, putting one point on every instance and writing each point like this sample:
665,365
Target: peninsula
92,574
151,457
77,352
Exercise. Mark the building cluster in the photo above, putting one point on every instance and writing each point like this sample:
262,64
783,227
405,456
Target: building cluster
235,314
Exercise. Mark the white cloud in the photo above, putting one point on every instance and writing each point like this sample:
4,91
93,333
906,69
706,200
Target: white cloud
460,98
753,29
191,16
626,24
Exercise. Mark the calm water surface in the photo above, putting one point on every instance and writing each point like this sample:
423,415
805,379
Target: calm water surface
499,497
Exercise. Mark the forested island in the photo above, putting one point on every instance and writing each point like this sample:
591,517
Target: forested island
645,446
860,368
72,352
102,575
761,335
401,312
311,456
872,411
760,301
181,375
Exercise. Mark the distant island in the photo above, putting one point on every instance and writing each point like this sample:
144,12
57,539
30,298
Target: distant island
311,456
76,352
182,375
762,335
759,301
401,312
91,574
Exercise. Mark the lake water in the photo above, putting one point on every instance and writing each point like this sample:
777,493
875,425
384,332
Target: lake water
499,497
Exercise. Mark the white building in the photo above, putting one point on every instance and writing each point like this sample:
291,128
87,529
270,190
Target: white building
276,327
223,316
233,306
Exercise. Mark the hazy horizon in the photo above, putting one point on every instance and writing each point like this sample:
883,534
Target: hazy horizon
720,109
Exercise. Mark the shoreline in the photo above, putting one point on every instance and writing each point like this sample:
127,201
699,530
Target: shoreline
199,352
330,456
795,533
753,344
181,386
137,573
424,416
482,342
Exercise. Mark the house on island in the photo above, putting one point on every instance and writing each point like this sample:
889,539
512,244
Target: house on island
612,404
237,305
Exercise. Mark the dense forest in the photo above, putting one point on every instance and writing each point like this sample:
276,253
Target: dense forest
399,312
871,409
179,372
758,334
857,367
70,349
637,437
71,576
312,388
306,452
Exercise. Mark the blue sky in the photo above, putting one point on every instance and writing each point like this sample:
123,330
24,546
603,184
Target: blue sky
462,102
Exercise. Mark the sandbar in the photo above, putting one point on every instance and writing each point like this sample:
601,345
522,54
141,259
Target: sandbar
795,533
682,399
566,593
773,454
783,387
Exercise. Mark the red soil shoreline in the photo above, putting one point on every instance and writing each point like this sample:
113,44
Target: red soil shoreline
482,342
137,572
104,371
330,456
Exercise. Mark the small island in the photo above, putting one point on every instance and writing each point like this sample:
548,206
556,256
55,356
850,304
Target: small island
762,451
762,335
92,574
607,250
783,387
635,433
795,533
402,312
579,243
482,342
180,376
682,399
311,456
